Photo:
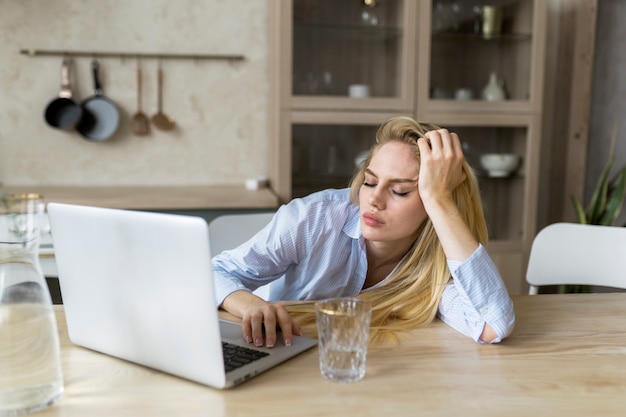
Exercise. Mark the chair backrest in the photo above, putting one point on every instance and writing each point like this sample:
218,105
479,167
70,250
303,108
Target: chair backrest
577,254
230,230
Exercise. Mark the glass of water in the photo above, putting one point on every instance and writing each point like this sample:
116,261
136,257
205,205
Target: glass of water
30,365
343,326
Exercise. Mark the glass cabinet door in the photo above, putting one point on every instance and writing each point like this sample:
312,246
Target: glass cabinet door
352,53
498,155
481,51
327,155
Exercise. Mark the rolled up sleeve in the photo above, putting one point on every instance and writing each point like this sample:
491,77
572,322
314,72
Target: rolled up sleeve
476,295
227,286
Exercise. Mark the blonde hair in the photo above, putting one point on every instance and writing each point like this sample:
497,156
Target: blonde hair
410,298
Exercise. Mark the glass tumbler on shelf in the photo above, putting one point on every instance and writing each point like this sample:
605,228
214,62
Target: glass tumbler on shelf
30,366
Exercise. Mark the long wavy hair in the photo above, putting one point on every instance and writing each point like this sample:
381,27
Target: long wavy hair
410,297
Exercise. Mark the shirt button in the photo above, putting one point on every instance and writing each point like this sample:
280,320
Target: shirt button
484,310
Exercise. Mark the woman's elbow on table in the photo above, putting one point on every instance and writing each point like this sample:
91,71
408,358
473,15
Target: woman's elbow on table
491,335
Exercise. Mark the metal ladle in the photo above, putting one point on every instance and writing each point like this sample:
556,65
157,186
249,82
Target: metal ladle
161,120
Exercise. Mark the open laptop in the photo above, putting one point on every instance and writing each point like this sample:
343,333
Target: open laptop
138,286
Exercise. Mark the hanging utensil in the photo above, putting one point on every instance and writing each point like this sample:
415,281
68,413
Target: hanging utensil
64,112
101,116
161,120
141,123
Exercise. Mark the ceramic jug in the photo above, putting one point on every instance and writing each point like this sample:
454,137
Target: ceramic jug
493,91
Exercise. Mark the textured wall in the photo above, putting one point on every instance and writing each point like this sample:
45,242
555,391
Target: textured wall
219,107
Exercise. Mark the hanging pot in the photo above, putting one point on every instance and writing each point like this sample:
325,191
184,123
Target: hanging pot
101,116
64,112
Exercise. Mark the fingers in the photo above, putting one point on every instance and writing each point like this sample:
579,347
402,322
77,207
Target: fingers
441,163
287,326
260,325
444,143
246,329
443,146
268,323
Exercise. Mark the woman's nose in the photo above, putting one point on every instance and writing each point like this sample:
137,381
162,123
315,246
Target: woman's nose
376,200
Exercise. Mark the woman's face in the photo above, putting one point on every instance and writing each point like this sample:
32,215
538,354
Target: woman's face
390,205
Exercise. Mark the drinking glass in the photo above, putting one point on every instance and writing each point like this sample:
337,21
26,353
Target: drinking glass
343,326
30,365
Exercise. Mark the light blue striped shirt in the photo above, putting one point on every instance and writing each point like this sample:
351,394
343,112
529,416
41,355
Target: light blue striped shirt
313,249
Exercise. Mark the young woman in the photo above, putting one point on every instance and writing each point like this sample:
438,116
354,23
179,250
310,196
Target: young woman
407,236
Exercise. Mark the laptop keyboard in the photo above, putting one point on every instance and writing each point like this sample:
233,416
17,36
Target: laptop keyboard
237,356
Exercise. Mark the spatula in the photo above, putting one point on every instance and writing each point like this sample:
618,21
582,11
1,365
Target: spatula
141,123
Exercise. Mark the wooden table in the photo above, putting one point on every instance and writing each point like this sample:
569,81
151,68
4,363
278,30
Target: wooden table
567,357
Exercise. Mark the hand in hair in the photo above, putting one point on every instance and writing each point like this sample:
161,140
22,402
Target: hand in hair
441,164
441,171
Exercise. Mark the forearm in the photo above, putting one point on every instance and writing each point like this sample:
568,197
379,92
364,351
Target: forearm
456,239
237,270
238,302
477,303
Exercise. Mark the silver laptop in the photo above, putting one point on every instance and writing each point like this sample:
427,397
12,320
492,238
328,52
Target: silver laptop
138,286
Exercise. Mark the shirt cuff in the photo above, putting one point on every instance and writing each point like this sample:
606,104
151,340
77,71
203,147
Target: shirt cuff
477,279
226,286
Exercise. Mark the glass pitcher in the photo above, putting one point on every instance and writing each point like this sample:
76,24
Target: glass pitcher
30,365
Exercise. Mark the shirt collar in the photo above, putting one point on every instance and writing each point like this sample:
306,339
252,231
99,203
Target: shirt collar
352,227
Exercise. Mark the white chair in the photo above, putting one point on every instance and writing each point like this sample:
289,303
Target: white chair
577,254
231,230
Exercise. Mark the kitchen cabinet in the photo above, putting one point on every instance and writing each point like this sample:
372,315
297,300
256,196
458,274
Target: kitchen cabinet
342,67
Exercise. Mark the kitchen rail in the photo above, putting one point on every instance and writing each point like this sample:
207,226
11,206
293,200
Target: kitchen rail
131,55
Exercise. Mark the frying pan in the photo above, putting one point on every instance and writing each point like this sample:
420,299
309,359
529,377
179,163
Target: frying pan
64,112
100,115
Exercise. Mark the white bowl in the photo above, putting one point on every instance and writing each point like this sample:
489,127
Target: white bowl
499,165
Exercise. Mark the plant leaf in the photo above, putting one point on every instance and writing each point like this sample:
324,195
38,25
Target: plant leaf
597,204
580,211
598,199
614,205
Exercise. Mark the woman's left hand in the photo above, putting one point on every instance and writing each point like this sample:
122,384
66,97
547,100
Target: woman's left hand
441,164
440,172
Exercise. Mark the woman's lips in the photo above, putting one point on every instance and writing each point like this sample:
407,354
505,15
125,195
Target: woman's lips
372,220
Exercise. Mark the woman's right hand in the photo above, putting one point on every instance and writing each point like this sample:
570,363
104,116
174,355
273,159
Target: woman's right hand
260,320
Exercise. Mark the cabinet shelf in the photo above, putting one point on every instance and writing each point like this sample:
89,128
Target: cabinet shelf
477,37
486,178
360,33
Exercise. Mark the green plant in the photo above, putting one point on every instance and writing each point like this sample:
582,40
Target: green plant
605,204
608,197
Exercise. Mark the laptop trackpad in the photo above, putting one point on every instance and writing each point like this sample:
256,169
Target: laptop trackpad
230,330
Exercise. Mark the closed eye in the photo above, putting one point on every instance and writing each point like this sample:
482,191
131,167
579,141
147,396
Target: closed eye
400,194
